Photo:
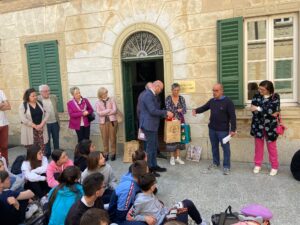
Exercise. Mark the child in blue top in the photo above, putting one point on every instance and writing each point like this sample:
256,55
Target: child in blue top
63,196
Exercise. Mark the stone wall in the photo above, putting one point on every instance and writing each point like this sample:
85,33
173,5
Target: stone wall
87,31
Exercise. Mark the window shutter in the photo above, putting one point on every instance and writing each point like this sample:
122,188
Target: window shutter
230,58
43,67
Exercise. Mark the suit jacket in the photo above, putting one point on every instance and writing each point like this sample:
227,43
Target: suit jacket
54,102
150,112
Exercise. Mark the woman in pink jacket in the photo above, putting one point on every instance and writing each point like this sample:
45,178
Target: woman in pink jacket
106,109
79,109
60,161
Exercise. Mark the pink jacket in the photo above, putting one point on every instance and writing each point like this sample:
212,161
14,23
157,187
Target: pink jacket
76,114
52,169
110,110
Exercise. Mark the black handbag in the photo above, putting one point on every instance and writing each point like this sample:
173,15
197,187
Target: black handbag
225,218
91,117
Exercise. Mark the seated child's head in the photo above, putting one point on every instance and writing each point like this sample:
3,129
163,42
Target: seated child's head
4,180
59,156
139,168
174,222
69,176
84,147
93,185
147,182
95,160
2,167
95,216
139,155
34,156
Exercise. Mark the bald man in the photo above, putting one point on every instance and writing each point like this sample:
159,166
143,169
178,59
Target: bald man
222,123
150,115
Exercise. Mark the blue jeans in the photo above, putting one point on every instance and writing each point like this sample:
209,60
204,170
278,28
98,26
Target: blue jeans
151,148
53,130
216,138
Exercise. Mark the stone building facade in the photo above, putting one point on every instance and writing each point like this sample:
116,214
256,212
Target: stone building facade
90,36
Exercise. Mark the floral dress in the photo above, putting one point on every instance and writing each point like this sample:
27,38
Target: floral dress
170,106
264,122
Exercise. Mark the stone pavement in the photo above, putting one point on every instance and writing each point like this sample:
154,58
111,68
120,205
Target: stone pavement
212,192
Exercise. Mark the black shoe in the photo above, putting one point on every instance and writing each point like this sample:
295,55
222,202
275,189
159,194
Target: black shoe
106,157
160,169
162,156
113,157
155,173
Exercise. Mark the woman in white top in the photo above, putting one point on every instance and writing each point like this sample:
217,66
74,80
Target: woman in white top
34,170
4,105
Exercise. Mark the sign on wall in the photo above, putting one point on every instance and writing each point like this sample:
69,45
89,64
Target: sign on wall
187,86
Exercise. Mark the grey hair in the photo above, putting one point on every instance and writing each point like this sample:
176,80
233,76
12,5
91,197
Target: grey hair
175,85
73,89
41,87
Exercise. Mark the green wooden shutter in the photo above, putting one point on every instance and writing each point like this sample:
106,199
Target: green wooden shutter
230,58
43,67
128,102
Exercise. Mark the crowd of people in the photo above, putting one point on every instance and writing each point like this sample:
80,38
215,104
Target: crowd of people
85,190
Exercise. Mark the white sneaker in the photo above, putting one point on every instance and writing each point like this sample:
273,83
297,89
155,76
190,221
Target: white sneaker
273,172
179,161
256,169
31,209
172,161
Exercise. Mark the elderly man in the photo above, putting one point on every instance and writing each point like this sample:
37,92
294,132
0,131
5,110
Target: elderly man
150,114
222,123
4,105
50,104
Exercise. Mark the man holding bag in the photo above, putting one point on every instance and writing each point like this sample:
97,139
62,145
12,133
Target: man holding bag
150,114
222,123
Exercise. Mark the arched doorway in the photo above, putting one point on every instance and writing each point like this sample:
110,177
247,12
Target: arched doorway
122,66
142,62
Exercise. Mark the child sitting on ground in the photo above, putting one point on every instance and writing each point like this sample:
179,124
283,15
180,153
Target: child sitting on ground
17,181
14,204
148,208
137,155
34,170
60,161
63,196
93,186
95,217
82,150
124,194
96,164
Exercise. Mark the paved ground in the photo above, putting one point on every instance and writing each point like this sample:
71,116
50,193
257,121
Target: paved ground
212,192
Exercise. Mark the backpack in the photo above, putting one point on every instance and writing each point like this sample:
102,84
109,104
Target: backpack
16,166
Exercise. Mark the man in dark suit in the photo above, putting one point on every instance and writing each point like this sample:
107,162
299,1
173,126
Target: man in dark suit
150,114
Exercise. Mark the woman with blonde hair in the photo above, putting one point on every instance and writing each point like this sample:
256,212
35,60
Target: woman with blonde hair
106,109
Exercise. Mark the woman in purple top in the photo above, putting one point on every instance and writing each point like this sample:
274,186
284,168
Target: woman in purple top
79,108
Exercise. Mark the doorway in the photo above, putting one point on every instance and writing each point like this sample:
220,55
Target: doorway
136,74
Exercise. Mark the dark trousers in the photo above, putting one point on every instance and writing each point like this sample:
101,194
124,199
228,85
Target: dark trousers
106,196
53,130
4,142
39,188
192,212
151,148
216,138
83,133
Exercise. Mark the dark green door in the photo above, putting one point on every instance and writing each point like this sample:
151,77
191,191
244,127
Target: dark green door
128,103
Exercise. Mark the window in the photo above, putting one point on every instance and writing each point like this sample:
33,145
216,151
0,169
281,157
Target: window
271,53
43,67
